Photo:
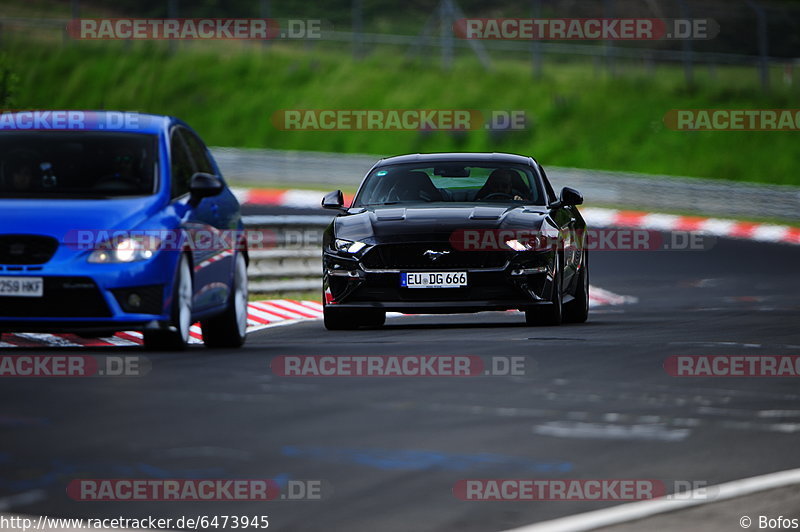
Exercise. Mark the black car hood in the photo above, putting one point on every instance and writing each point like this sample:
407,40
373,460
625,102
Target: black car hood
435,222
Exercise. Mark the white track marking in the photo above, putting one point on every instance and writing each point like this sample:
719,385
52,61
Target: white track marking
49,339
594,216
21,499
312,304
297,308
599,217
276,312
609,431
660,222
116,340
267,306
770,233
718,227
610,298
302,198
625,513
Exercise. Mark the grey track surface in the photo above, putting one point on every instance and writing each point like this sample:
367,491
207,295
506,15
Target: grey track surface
725,515
391,449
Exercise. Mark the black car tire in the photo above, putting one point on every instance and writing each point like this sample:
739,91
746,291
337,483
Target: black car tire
577,310
183,290
229,329
339,319
373,318
549,314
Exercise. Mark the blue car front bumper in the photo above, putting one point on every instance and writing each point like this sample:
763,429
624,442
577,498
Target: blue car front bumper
80,296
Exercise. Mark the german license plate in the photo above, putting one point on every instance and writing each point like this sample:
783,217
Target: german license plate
22,286
433,279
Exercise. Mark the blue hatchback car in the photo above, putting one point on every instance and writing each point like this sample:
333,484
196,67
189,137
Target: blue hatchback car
118,221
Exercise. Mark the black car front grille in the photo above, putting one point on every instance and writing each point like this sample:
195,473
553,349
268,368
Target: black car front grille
63,297
418,256
385,287
26,249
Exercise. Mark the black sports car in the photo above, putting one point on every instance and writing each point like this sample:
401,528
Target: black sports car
455,232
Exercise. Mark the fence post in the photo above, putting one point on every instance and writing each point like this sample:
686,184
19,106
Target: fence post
172,12
75,10
476,45
358,28
686,45
608,12
536,44
763,43
264,11
446,33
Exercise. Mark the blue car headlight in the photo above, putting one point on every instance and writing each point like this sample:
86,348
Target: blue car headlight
127,249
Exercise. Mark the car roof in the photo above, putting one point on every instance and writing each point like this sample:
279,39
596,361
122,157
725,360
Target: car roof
91,121
450,157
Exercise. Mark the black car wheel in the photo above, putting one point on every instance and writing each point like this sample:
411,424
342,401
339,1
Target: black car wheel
229,329
339,319
550,314
177,337
577,310
373,318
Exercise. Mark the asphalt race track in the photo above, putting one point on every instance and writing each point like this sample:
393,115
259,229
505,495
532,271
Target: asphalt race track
595,402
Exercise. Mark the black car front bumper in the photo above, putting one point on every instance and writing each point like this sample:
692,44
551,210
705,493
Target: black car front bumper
523,280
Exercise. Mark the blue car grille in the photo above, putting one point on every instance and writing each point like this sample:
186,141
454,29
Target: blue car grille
63,297
26,249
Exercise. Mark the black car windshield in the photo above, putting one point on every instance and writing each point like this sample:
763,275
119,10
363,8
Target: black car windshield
77,164
455,182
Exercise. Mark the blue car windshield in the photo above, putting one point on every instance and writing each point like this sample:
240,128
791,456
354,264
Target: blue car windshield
451,182
77,164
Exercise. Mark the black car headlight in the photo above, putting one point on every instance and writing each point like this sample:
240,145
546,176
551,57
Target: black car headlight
520,245
348,246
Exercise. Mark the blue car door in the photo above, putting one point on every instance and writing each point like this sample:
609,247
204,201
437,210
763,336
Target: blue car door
203,222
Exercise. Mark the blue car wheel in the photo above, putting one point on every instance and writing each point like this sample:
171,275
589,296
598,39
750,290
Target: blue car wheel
176,336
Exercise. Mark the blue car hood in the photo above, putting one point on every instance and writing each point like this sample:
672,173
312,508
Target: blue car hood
56,218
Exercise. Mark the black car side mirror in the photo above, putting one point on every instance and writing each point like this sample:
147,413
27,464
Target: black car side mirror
333,200
569,196
203,185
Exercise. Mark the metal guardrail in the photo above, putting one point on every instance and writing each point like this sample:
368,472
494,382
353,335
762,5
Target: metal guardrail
599,187
295,263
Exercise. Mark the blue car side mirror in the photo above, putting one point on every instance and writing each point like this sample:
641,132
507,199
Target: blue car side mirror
203,185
